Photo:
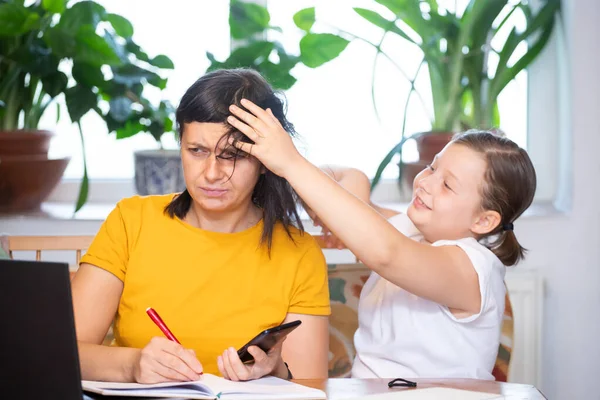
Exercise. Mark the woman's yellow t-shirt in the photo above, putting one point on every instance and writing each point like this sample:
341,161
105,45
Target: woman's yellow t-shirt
213,290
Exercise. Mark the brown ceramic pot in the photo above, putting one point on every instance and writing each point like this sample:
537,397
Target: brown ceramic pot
27,176
21,142
432,143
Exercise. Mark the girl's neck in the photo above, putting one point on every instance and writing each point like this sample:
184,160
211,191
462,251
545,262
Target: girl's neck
224,222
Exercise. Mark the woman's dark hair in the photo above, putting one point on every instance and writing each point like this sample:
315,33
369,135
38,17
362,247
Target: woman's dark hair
510,183
208,100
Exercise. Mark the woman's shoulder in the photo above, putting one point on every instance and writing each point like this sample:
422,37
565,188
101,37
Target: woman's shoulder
152,203
293,239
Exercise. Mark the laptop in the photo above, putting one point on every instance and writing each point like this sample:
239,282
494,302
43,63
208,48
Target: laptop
38,346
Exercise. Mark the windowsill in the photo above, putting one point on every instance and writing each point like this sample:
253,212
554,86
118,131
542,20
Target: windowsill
62,211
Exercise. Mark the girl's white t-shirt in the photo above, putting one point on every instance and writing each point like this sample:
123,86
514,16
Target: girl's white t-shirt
401,335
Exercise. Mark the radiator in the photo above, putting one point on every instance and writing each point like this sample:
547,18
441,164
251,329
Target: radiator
526,295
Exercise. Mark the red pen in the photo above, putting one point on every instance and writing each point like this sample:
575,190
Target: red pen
161,324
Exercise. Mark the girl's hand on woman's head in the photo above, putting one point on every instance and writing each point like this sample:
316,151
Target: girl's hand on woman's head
270,363
163,360
273,146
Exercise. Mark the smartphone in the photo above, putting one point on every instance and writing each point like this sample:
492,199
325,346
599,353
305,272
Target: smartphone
267,339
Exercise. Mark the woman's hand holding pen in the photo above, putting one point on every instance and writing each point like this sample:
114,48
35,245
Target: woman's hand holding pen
271,363
273,146
163,360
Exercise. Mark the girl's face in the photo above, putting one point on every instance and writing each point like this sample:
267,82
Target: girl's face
447,198
208,166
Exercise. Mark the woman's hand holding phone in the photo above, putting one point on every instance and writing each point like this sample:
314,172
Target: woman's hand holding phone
269,363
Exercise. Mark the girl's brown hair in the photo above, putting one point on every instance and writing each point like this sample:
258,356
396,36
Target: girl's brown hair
510,183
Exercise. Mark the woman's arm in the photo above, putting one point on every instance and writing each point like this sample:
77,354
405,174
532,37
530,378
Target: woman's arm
96,295
306,349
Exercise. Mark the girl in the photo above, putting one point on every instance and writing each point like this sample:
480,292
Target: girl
433,305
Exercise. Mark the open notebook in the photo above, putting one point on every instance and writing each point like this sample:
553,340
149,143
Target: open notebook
209,387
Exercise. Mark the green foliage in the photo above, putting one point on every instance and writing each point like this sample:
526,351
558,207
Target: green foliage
37,38
456,49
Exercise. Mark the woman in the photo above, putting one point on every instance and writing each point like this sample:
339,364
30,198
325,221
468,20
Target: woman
219,262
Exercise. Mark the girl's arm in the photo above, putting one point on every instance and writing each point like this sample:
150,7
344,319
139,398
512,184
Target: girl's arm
356,182
442,274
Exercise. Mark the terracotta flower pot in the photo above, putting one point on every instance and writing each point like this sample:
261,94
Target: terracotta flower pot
26,181
20,142
432,143
27,176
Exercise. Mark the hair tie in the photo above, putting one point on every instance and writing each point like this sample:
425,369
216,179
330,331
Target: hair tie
508,227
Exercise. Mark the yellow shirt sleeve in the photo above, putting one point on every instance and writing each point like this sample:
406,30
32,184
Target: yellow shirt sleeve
110,250
310,294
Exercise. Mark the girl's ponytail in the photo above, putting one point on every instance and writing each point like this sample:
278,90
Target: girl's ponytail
507,248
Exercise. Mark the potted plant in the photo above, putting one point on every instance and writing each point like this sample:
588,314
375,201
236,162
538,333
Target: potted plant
78,51
249,24
156,171
456,47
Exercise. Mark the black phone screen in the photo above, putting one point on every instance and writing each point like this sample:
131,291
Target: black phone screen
267,339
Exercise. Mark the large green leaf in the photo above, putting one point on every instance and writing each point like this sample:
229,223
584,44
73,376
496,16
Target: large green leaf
132,47
305,19
130,75
87,74
157,81
84,187
249,55
55,84
278,77
318,48
117,47
94,49
247,19
16,19
383,23
84,13
162,61
121,25
62,42
541,25
36,59
409,11
54,6
130,129
80,100
386,160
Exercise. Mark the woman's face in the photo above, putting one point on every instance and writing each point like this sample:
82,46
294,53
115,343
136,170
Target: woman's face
208,168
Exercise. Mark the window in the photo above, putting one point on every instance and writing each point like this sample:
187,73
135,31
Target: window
183,30
330,106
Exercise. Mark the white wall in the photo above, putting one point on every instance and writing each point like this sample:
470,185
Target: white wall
566,249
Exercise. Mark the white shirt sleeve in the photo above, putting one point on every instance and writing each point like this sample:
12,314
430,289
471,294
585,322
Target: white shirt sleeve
484,262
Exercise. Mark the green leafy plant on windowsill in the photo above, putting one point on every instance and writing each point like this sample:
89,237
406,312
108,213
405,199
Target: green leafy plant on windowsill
250,25
467,67
55,48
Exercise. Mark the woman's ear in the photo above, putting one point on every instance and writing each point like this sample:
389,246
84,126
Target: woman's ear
486,222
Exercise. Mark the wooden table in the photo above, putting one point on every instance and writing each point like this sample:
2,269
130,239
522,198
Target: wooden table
346,388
